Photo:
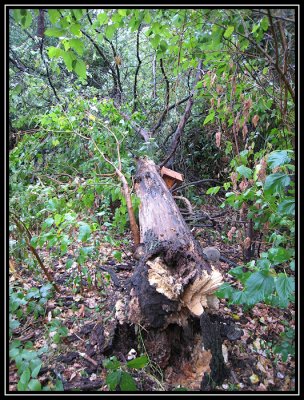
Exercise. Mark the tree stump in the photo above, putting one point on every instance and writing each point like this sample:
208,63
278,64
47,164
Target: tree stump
173,283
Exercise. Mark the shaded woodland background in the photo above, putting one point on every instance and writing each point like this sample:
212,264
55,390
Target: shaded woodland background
209,93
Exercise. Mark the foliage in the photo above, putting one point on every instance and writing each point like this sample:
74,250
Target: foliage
118,376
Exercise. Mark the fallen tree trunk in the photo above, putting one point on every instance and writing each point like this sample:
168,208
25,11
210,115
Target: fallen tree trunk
173,283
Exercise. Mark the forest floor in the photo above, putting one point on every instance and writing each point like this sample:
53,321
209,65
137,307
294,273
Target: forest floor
92,331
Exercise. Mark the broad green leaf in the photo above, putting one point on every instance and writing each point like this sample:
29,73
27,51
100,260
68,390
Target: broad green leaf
35,366
138,363
77,45
110,30
113,379
239,298
69,263
287,207
155,41
209,118
102,18
111,363
228,31
127,382
80,69
75,29
285,285
26,20
117,255
244,171
163,45
224,291
277,158
122,11
259,285
78,12
54,52
278,255
58,219
34,385
275,183
25,376
264,23
54,15
17,15
68,58
84,232
47,223
213,190
55,32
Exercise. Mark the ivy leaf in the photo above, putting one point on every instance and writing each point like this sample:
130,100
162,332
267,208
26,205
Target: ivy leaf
127,382
113,379
277,158
80,69
84,232
285,285
228,32
138,363
55,32
239,298
275,183
209,118
244,171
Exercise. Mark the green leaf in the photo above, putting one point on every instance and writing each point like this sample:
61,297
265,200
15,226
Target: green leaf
259,285
264,23
75,29
210,117
228,31
102,18
285,285
117,255
239,298
127,383
54,52
80,69
113,379
244,171
26,20
55,32
25,376
138,363
277,158
34,385
58,219
69,263
54,15
278,255
225,291
213,190
287,207
77,45
111,363
84,232
35,366
68,58
163,45
275,183
47,223
110,30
